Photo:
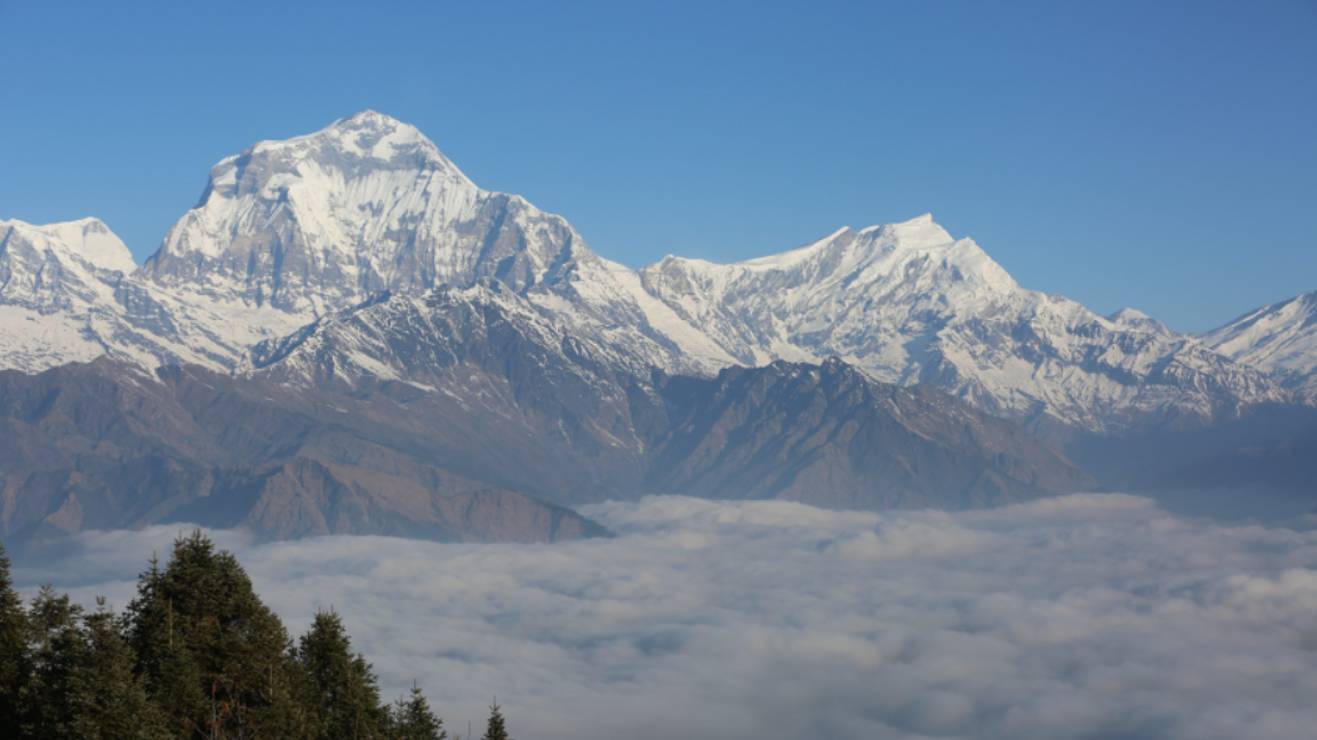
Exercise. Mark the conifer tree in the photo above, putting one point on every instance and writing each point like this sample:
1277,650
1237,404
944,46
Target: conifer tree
216,658
344,692
497,727
413,719
195,656
109,700
58,650
14,663
172,679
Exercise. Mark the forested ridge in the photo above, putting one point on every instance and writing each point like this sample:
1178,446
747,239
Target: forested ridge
194,655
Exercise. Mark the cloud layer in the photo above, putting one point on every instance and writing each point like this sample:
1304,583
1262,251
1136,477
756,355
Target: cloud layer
1079,617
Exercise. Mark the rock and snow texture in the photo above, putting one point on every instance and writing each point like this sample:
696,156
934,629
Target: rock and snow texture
367,204
65,296
292,232
1280,338
909,303
70,292
321,222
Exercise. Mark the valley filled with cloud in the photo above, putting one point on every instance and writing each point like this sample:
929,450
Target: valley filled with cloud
1081,616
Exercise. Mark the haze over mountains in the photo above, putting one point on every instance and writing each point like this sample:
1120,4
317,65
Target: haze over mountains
436,340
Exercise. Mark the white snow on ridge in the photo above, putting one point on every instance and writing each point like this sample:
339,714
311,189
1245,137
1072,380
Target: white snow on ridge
1280,338
292,231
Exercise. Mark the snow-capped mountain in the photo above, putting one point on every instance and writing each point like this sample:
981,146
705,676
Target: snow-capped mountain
508,393
1133,318
67,295
1280,338
909,303
320,222
288,233
367,204
52,279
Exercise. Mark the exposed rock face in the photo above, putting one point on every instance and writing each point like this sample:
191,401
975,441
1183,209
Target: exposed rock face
458,414
826,434
829,436
101,446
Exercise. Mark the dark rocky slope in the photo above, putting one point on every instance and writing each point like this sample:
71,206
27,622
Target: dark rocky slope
99,445
466,415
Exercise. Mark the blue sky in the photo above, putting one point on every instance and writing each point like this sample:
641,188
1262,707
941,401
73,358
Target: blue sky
1159,155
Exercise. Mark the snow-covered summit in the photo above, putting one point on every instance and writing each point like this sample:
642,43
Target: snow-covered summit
823,298
862,254
65,266
290,231
86,240
62,292
1280,338
909,303
1133,318
367,138
368,203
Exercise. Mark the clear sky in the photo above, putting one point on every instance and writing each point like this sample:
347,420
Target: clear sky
1154,154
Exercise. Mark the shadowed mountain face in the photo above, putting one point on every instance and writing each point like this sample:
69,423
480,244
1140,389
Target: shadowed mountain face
826,434
463,415
829,436
102,446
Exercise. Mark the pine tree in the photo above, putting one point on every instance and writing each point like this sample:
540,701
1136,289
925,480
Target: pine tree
214,657
14,663
196,655
413,720
171,677
58,650
344,691
496,729
110,701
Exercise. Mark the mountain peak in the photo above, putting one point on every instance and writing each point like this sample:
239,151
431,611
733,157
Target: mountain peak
1133,318
1127,314
368,203
87,238
369,118
364,137
920,231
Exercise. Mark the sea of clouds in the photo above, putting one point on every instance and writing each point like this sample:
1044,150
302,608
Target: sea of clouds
1089,616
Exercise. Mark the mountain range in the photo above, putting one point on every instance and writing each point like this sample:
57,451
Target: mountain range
437,341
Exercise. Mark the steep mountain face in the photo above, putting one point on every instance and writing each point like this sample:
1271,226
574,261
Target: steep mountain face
553,414
102,445
70,292
289,233
56,284
368,204
320,222
484,382
464,414
62,266
1280,338
828,435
